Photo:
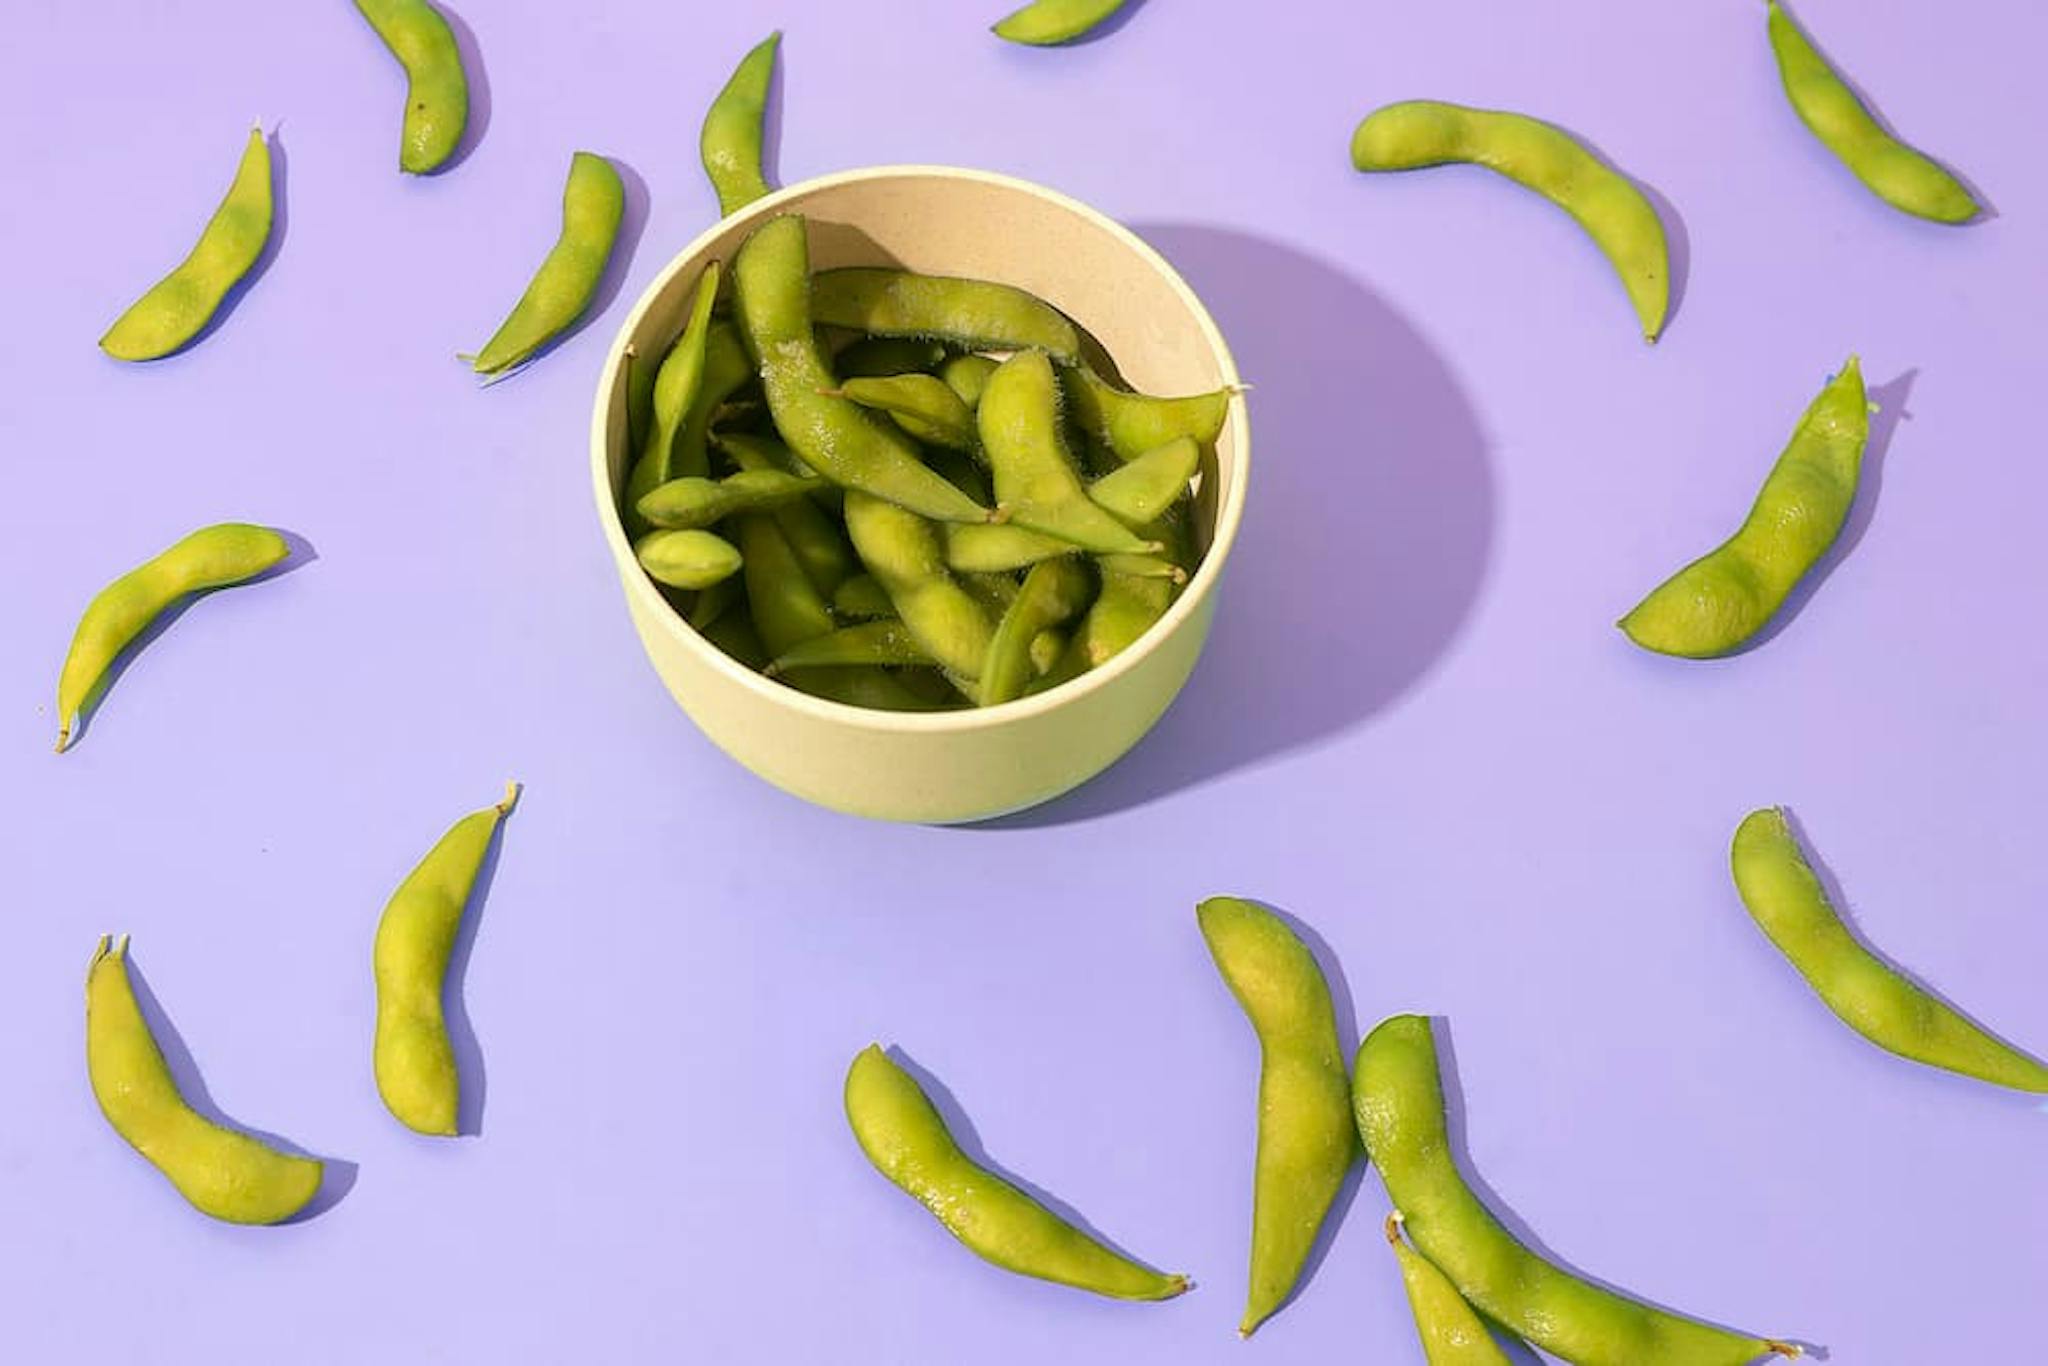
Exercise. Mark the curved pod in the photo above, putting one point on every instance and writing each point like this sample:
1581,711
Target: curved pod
436,87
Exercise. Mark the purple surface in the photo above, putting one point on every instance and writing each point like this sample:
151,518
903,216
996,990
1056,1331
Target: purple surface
1416,728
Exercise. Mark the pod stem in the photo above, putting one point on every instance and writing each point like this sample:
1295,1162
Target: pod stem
1784,1349
1395,1220
511,796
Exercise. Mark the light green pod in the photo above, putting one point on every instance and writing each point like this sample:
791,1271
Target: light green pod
687,559
837,438
676,386
1047,23
1131,425
413,1056
873,357
970,315
639,397
967,375
904,1136
998,548
923,405
871,643
684,504
436,90
814,537
1868,994
212,557
1902,177
1719,602
593,203
1125,608
223,1172
786,606
1306,1140
730,143
904,553
1397,1094
861,598
1053,593
1451,1332
1538,156
1036,483
1145,488
179,306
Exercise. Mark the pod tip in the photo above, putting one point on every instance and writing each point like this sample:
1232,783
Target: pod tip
511,796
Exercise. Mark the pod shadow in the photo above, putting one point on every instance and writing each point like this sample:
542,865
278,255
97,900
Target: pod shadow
969,1141
337,1177
280,226
473,1081
1368,524
478,79
771,121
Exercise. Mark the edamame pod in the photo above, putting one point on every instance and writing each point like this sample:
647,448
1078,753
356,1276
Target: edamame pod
1035,478
786,606
413,1056
223,1172
734,633
593,203
1397,1095
1904,178
1045,23
212,557
1146,487
903,552
998,548
1719,602
873,357
1868,994
730,143
1052,593
922,405
872,643
907,1141
971,315
1451,1332
1306,1140
1126,607
1132,424
686,559
179,306
860,597
687,503
813,537
837,438
712,602
1538,156
436,90
676,385
967,375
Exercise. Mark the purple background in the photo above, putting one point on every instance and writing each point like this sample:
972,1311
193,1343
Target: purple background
1415,728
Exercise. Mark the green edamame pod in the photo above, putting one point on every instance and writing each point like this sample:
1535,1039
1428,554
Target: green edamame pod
688,503
904,554
1306,1140
676,385
712,602
814,537
1036,482
1052,593
993,591
1869,995
1451,1332
639,398
871,643
861,598
1397,1095
999,548
734,633
875,689
212,557
1904,178
436,90
686,559
727,370
907,1141
1047,23
786,605
413,1056
1126,607
967,375
730,143
922,405
1719,602
593,203
1131,425
179,306
222,1172
1146,487
1538,156
971,315
873,357
837,438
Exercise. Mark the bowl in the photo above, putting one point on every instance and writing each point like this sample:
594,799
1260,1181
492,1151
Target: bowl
946,767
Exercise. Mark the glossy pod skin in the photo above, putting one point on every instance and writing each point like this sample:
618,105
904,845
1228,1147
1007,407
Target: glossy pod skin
178,307
212,557
1306,1140
412,1054
436,90
1873,998
972,315
1906,179
1397,1095
687,558
224,1173
1036,482
1046,23
1719,602
730,143
593,203
835,437
908,1142
1131,425
1615,214
1451,1332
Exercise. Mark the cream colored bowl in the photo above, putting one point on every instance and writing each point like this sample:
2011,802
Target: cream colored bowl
964,765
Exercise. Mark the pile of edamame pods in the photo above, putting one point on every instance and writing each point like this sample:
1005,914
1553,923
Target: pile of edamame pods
911,491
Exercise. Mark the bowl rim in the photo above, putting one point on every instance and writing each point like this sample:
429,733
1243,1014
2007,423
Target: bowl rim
1229,509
